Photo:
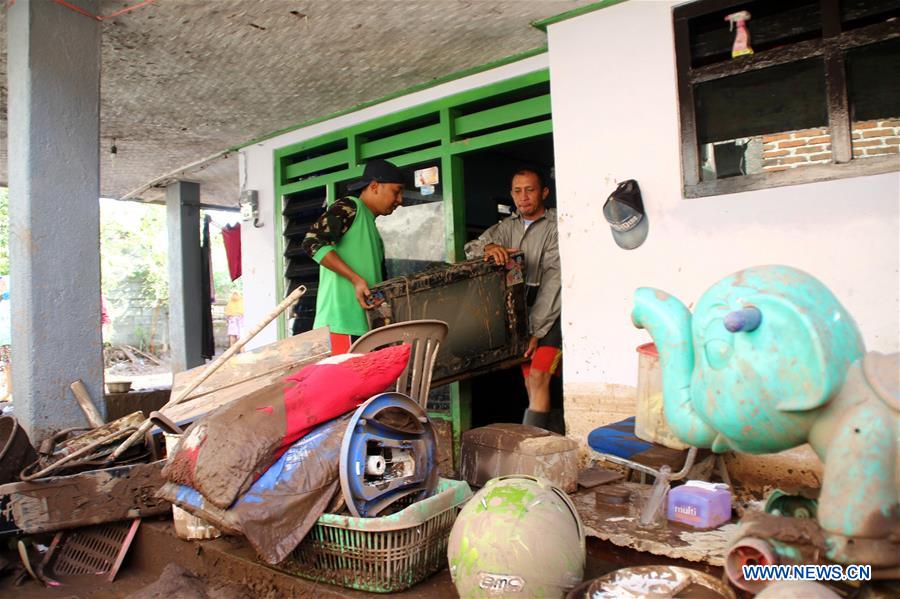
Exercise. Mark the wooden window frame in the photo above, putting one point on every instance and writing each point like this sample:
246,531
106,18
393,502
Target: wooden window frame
830,48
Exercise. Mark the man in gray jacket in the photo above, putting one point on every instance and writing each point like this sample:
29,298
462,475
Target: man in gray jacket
532,229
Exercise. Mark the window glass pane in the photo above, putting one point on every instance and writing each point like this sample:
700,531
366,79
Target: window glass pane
860,13
782,98
873,88
414,235
765,120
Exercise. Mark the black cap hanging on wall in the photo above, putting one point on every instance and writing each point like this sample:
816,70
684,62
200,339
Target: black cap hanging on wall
624,211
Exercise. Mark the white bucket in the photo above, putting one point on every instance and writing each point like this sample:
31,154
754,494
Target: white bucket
188,526
650,422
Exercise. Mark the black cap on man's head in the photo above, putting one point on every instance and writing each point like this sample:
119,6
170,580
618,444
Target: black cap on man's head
377,170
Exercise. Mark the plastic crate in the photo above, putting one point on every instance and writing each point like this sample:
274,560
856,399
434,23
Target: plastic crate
381,555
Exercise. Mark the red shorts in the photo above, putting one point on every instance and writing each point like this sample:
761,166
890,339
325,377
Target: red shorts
546,359
340,344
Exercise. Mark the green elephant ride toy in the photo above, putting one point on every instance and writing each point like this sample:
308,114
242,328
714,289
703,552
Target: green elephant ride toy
770,360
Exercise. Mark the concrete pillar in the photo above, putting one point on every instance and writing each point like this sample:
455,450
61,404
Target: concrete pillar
53,71
185,290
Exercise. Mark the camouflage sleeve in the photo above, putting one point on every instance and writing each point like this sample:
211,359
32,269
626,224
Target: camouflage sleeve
328,230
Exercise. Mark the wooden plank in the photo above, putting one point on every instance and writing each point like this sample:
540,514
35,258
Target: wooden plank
760,60
838,105
128,353
87,406
795,176
864,36
690,151
94,497
853,11
416,157
798,51
247,372
185,413
150,357
258,362
689,10
791,21
831,17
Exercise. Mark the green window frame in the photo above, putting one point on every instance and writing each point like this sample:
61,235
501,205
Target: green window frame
444,129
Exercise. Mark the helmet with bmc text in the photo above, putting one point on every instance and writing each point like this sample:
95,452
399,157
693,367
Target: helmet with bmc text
519,536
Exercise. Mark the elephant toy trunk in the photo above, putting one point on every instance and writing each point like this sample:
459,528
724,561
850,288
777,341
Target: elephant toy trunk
669,323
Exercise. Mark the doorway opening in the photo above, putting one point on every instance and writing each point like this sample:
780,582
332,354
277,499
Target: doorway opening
470,143
500,396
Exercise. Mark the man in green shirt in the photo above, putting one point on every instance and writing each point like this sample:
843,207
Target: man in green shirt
345,243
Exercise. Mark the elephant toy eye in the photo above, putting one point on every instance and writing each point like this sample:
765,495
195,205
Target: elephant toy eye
746,320
718,353
717,344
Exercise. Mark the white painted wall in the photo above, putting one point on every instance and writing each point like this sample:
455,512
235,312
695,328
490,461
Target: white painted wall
615,117
258,172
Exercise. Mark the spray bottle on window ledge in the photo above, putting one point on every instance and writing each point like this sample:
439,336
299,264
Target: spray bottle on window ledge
741,44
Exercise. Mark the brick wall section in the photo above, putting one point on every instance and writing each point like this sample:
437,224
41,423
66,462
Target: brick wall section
791,149
588,406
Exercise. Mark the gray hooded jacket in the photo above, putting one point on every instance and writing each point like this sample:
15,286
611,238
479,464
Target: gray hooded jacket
540,243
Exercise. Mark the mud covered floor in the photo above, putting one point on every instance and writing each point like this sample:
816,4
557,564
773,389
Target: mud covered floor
175,581
160,566
617,525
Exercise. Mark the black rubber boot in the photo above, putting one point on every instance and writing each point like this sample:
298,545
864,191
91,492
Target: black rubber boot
538,419
557,421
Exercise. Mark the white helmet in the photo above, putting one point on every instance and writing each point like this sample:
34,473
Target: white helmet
519,536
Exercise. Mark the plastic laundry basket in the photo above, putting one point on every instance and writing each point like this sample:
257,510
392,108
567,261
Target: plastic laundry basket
381,555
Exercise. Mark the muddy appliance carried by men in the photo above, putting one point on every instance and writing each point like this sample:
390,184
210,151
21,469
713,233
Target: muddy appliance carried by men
770,360
483,304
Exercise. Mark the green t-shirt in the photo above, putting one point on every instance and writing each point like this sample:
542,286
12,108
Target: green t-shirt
363,251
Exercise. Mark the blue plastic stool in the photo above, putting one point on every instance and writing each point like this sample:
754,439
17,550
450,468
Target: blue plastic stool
618,444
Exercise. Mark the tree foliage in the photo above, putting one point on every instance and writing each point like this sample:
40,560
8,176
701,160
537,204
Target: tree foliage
133,250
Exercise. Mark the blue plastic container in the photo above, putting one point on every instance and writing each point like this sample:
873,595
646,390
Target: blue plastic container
700,504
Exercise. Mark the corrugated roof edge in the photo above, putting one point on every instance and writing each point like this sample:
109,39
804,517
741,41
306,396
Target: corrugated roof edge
409,90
